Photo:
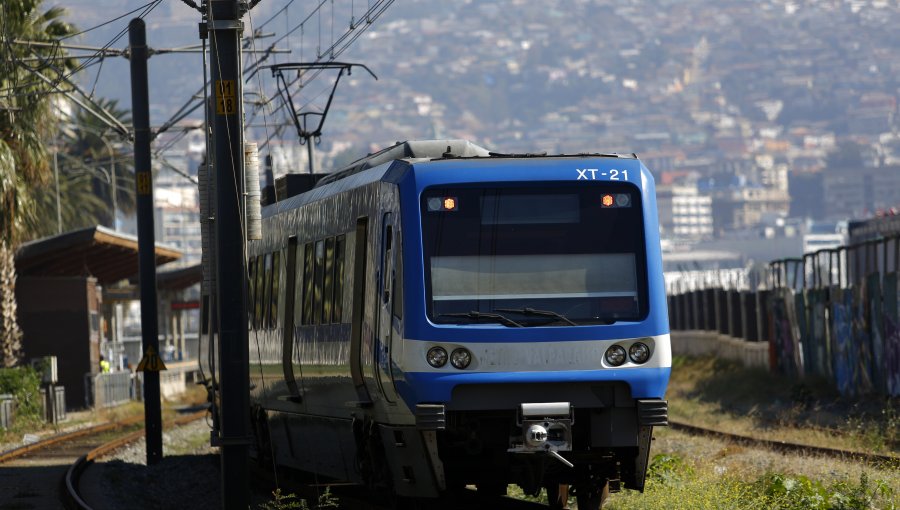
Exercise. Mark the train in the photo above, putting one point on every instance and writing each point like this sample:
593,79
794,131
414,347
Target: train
436,316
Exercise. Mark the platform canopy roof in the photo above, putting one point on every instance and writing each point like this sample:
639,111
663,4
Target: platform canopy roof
178,279
107,255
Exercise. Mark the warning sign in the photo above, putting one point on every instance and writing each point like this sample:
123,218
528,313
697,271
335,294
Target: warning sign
151,362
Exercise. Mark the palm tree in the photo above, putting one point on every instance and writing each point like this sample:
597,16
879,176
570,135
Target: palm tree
89,140
26,123
90,163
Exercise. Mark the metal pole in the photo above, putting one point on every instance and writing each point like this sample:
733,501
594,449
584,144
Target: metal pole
225,30
112,173
140,105
112,176
56,176
270,171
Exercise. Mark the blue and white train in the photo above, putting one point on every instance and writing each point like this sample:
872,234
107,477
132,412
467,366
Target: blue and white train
436,316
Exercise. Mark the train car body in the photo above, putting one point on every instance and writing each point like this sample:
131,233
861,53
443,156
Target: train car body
423,321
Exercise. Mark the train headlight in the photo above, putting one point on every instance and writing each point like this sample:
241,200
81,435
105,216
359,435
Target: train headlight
436,357
616,355
460,358
639,352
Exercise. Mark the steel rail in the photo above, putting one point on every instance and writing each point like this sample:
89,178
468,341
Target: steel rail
73,474
68,436
872,459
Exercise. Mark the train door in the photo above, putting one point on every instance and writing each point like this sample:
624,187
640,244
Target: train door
287,341
384,301
357,342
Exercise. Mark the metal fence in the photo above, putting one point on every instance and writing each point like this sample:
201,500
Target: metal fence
844,328
108,389
7,407
53,403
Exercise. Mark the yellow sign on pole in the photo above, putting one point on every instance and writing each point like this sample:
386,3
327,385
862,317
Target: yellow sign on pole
151,362
226,97
143,183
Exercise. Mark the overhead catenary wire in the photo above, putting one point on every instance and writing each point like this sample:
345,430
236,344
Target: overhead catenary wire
258,77
62,82
145,10
64,76
113,20
338,47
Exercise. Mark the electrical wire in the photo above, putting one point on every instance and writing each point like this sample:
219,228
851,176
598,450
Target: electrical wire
106,22
145,10
338,47
274,16
65,77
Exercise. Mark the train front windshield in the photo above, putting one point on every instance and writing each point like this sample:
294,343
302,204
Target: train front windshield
534,256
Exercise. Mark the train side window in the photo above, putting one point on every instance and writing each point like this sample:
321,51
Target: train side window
328,285
260,291
398,280
308,269
317,287
340,247
251,291
267,295
386,261
276,279
298,282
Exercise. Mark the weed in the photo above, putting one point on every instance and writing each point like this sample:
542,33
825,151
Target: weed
284,502
668,469
292,502
327,500
793,492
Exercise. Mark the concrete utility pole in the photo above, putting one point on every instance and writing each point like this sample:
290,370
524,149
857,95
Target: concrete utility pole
140,106
225,29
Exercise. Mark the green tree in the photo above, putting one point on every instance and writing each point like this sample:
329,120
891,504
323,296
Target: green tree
26,123
88,154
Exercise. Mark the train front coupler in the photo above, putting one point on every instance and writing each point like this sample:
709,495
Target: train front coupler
546,429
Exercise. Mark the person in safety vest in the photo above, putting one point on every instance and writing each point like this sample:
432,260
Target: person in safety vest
104,365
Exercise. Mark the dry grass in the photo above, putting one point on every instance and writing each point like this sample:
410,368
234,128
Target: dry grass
706,473
193,395
726,396
710,474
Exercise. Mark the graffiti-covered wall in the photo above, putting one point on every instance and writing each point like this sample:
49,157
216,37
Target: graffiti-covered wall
848,334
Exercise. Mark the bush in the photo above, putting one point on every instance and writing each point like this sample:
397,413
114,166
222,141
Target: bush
24,383
799,492
668,469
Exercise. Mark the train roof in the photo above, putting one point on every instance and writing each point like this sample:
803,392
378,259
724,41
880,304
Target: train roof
418,151
435,150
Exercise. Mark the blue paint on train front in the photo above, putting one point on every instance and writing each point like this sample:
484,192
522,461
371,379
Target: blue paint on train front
534,172
414,178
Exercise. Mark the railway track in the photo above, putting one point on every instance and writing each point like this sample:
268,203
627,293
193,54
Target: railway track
872,459
71,488
29,474
44,474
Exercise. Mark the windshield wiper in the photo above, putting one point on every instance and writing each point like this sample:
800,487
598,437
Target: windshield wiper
543,313
475,315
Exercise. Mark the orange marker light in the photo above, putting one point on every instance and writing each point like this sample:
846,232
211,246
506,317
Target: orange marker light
607,200
449,204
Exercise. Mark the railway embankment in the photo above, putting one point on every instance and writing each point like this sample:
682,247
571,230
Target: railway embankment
714,386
